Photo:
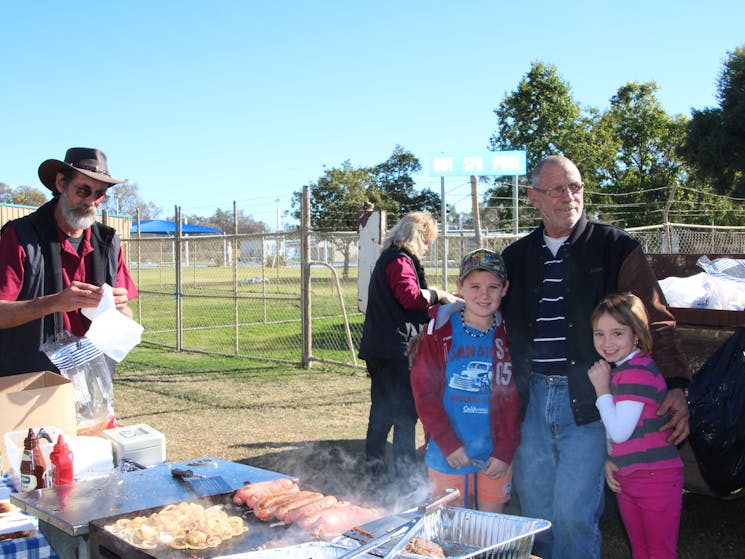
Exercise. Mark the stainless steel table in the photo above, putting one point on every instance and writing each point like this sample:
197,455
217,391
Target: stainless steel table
65,512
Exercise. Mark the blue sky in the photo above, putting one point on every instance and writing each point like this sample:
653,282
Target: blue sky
204,103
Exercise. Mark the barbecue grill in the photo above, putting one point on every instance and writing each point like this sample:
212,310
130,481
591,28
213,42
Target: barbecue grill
74,517
66,512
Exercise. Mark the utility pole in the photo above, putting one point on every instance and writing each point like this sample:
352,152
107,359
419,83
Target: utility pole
445,248
475,210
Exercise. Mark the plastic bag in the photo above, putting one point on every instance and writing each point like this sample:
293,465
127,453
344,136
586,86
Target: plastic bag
91,374
716,402
703,291
111,331
732,269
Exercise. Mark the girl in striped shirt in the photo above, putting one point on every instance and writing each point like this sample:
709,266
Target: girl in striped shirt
644,469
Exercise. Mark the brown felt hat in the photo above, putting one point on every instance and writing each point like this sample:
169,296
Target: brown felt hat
91,162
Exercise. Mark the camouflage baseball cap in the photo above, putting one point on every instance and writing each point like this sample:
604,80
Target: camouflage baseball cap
483,259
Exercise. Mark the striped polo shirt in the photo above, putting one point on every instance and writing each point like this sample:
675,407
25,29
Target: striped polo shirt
549,343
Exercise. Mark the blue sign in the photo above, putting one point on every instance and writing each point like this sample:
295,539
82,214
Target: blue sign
489,163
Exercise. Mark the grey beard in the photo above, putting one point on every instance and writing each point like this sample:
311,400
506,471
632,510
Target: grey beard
80,216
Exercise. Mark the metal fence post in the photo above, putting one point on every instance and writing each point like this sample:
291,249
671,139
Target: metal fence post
307,334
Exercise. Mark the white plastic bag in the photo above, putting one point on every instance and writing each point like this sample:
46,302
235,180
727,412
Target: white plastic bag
703,291
111,331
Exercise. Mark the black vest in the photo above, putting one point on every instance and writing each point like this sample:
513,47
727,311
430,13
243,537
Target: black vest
37,233
388,326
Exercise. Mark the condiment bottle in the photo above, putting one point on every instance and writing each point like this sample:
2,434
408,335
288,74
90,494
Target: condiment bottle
61,459
33,465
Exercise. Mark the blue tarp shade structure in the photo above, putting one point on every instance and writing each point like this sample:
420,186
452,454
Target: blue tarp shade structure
163,227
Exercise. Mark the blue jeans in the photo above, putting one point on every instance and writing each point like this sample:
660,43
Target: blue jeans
558,472
391,407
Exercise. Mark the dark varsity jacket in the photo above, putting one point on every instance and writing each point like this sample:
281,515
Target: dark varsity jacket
600,259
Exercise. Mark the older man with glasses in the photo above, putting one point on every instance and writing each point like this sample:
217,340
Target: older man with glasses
54,261
557,274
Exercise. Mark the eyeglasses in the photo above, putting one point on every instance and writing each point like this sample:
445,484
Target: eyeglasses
84,191
557,191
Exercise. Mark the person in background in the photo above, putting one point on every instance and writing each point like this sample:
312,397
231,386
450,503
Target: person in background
54,261
464,392
398,299
645,470
557,275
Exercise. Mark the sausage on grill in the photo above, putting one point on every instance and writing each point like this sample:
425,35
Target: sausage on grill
302,498
251,493
311,509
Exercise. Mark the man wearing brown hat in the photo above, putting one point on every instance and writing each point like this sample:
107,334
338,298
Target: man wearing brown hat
54,261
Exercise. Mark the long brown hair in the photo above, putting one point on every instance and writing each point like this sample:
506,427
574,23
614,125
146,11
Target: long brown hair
626,309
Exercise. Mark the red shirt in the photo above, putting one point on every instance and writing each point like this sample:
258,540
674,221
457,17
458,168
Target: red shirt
75,267
401,276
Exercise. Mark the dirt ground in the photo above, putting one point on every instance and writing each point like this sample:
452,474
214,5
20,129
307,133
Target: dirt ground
311,425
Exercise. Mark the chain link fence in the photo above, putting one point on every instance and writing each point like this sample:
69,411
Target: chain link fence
244,295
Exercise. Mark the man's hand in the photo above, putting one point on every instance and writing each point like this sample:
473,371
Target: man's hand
121,297
78,295
676,405
610,476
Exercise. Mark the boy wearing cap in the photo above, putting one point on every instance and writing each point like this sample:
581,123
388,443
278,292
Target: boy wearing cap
463,388
54,261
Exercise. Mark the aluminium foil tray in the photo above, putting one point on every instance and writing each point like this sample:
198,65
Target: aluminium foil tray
465,533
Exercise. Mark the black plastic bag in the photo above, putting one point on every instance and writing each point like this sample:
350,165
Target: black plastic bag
716,401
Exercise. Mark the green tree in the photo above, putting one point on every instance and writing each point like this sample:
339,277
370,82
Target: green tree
124,199
715,139
5,193
336,201
338,196
540,116
644,139
393,179
224,221
29,196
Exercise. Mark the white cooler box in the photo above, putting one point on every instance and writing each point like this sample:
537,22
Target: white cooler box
139,443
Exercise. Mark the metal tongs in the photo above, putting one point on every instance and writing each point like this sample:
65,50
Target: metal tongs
450,495
408,529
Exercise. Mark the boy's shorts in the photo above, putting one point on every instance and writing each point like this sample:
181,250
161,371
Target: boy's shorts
487,490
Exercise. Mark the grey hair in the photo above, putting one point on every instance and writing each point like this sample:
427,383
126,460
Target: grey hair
548,160
412,232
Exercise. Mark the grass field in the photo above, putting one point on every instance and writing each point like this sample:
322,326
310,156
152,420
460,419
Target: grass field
311,424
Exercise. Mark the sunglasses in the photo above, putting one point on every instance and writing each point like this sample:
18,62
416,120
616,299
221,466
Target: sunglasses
84,191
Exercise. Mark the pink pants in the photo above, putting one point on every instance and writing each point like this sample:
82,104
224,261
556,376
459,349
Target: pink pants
650,502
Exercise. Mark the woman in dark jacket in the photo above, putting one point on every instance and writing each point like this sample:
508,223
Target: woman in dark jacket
398,299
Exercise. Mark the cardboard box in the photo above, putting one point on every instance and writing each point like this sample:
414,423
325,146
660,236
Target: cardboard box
34,400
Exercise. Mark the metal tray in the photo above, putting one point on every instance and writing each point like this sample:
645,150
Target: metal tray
314,550
465,533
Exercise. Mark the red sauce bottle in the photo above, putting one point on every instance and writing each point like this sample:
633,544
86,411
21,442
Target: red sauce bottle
33,465
61,458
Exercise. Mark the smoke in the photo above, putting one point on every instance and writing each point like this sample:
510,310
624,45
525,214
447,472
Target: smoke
337,468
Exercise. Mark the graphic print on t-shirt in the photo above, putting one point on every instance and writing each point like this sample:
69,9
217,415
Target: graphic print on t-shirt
476,377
